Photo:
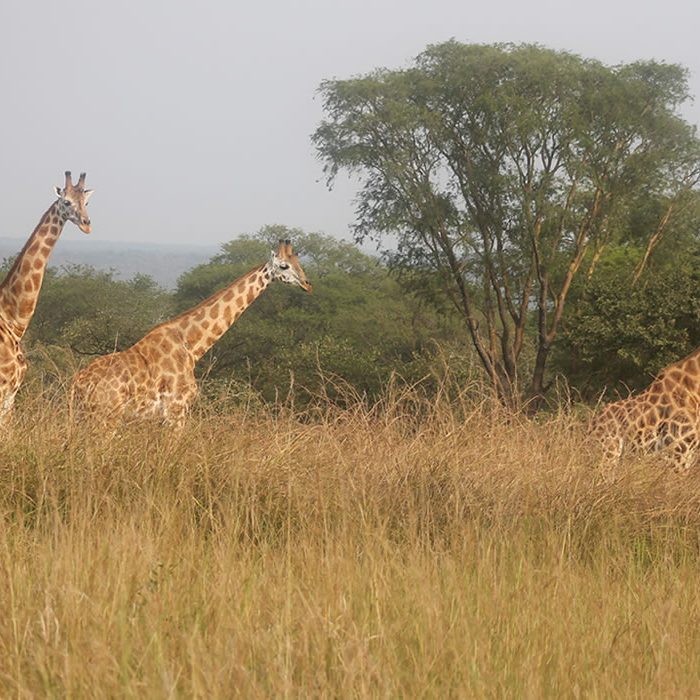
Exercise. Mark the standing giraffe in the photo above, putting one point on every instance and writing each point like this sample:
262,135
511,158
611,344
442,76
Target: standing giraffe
19,291
155,377
665,416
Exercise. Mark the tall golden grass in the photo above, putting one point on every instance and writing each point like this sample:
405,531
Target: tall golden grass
414,548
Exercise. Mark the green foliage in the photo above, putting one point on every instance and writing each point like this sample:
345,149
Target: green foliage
93,313
501,169
619,335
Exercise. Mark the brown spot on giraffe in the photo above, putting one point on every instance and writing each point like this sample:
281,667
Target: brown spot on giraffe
194,336
155,377
26,306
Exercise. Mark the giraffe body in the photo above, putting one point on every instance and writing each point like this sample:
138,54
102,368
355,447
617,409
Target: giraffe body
154,378
19,292
664,417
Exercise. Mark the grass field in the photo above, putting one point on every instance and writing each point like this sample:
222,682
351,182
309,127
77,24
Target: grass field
411,549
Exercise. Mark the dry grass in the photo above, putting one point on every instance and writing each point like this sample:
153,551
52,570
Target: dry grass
413,549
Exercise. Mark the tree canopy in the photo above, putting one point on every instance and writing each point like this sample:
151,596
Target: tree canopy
505,172
93,313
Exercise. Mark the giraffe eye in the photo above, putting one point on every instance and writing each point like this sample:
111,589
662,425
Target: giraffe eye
284,266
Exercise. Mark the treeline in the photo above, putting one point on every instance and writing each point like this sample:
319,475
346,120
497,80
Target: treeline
365,324
538,217
357,329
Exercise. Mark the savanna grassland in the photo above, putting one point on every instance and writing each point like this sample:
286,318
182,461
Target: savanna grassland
413,548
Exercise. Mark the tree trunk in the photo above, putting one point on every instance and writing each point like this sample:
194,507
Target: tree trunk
537,387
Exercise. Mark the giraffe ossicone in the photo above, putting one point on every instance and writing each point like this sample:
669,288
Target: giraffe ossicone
664,418
20,289
154,378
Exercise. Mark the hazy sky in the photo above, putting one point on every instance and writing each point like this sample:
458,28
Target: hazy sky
192,119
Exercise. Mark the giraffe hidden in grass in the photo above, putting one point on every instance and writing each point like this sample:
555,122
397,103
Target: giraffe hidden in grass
154,378
665,417
19,291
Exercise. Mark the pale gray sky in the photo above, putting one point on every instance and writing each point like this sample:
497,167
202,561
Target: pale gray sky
192,119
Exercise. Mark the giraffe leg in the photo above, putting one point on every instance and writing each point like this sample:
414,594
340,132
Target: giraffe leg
176,421
11,378
609,442
682,440
611,457
6,415
173,416
175,413
684,454
176,406
6,406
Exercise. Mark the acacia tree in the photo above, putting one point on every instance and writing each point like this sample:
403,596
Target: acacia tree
501,171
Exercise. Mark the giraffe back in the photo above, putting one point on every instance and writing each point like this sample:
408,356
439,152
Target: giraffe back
152,379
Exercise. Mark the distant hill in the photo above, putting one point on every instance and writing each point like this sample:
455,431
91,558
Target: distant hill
165,263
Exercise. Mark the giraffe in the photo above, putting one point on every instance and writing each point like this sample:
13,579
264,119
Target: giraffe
154,378
665,416
19,291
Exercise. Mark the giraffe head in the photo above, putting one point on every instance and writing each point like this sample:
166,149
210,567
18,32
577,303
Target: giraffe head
72,202
286,268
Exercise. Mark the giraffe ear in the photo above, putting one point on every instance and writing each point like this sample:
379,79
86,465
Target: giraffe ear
87,194
58,191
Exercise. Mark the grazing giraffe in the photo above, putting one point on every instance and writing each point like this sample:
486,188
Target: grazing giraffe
154,378
19,291
665,416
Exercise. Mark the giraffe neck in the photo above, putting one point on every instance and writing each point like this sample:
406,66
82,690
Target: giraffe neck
19,291
208,321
